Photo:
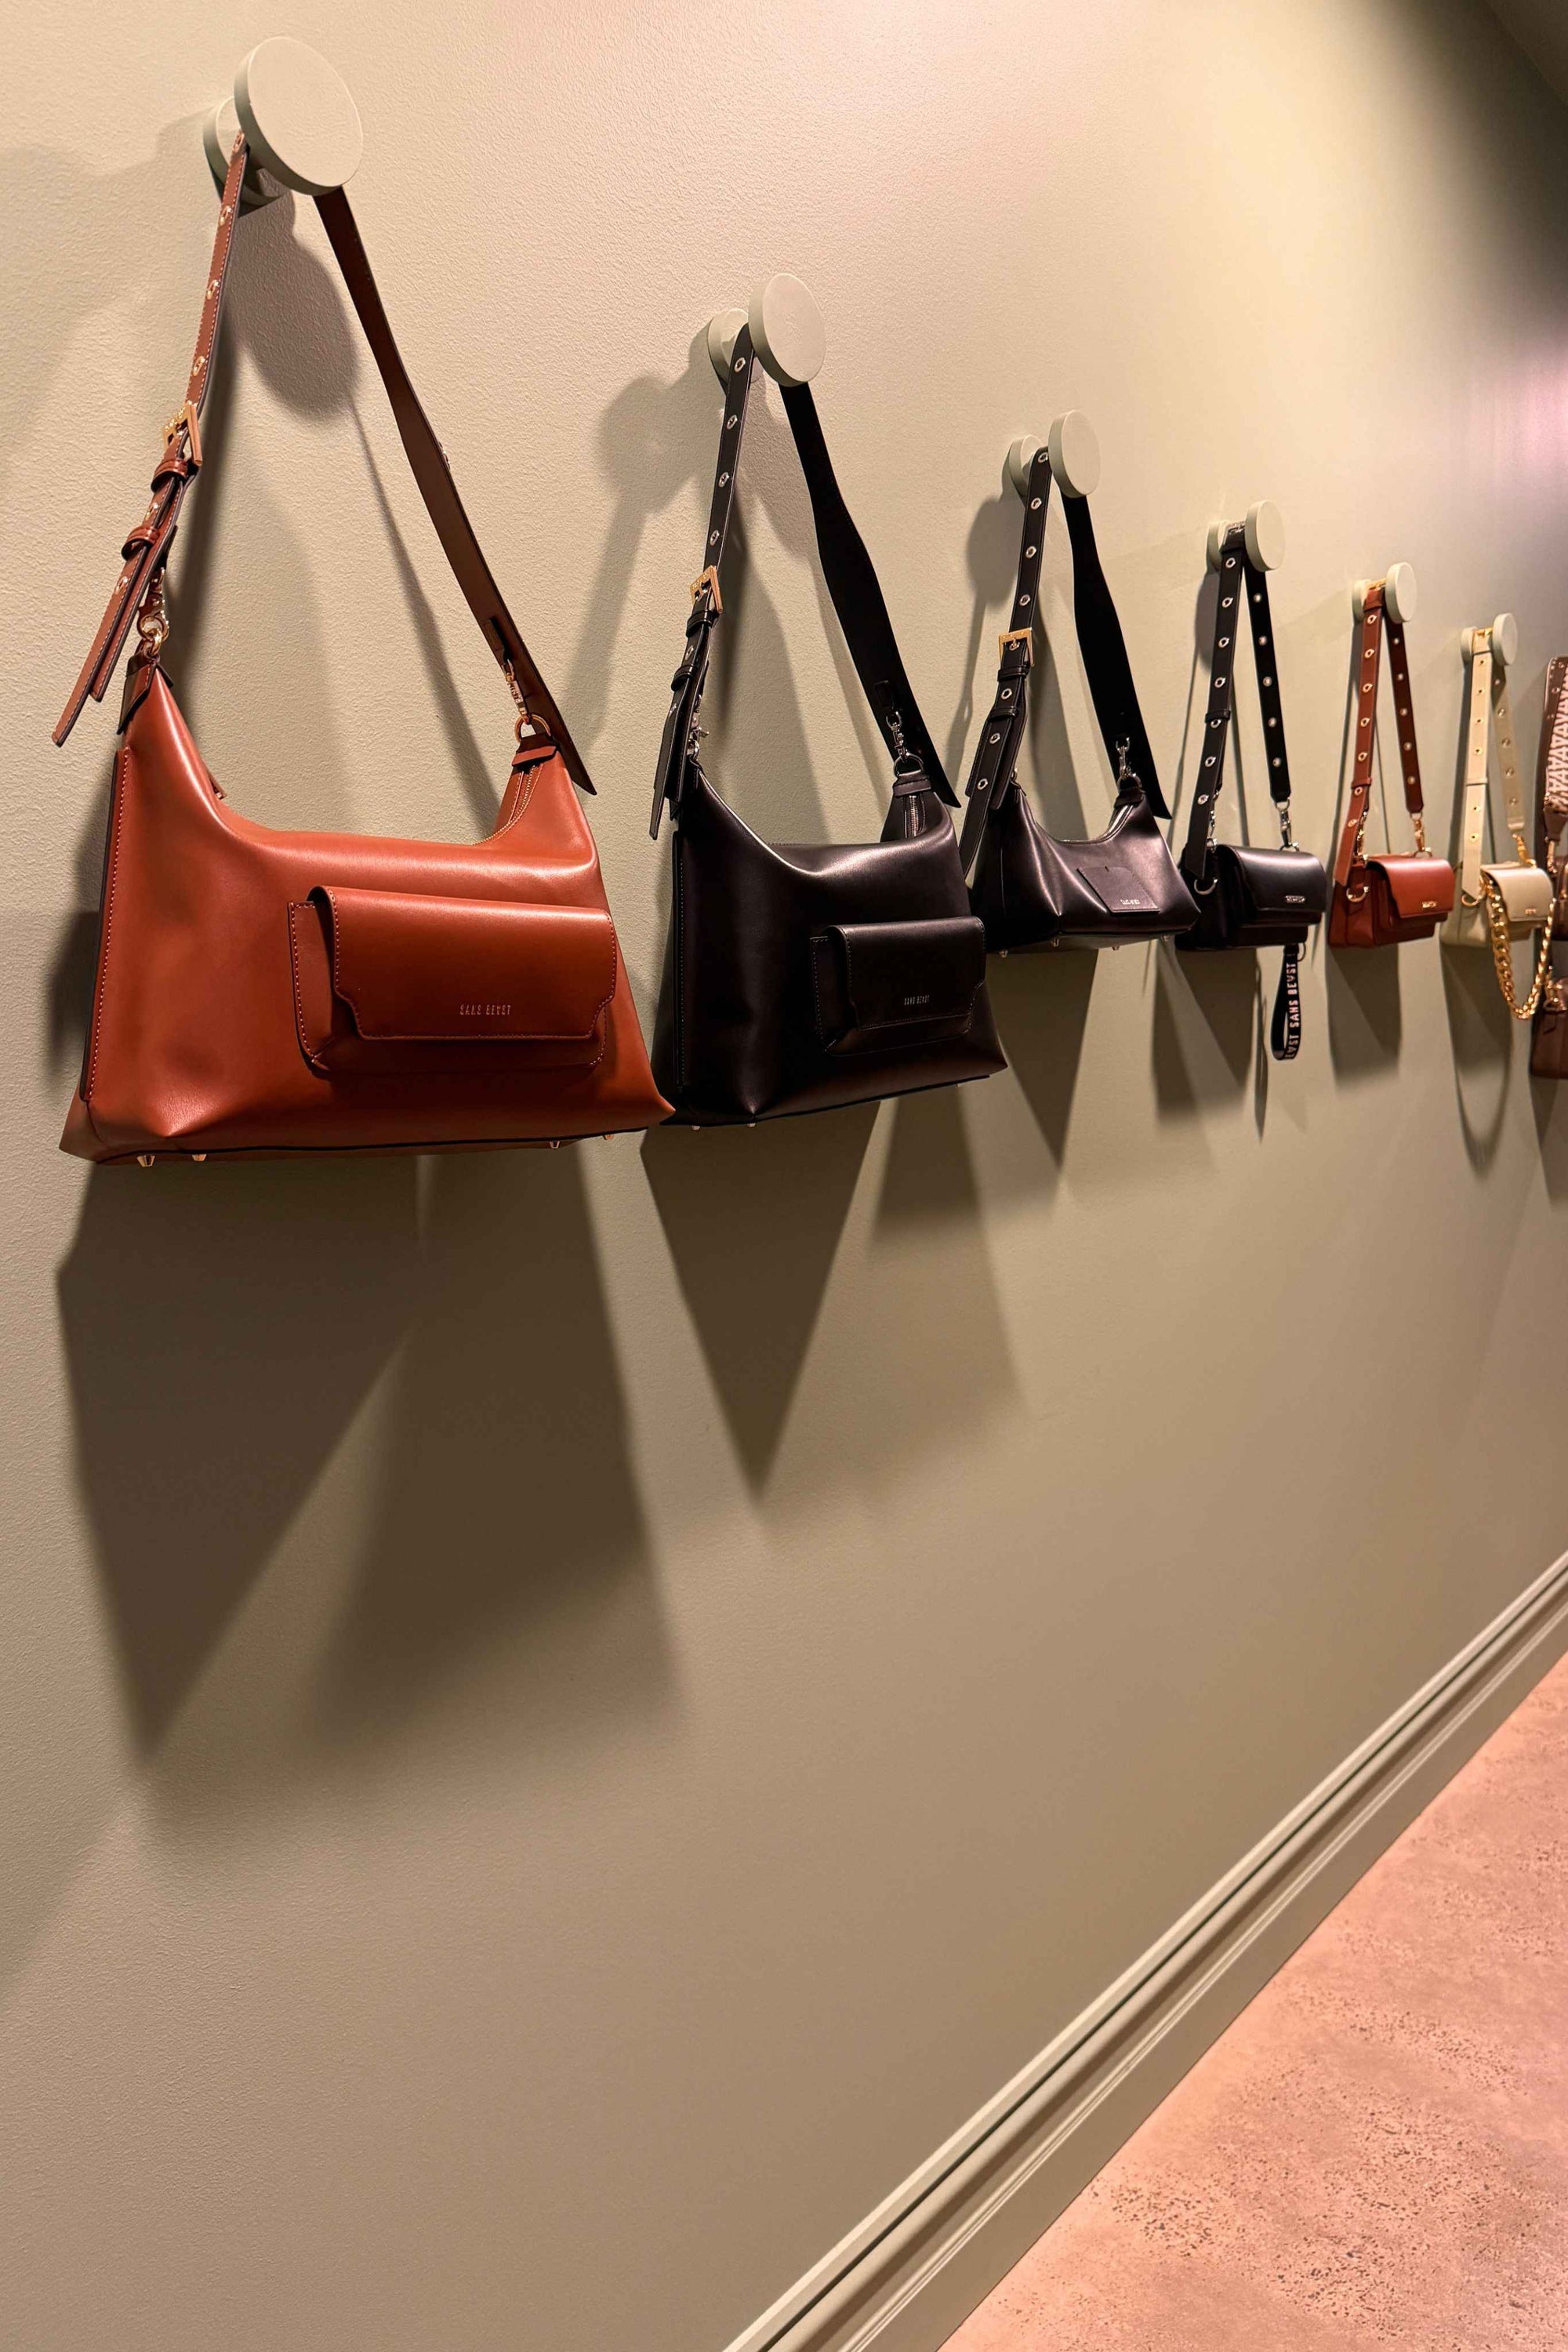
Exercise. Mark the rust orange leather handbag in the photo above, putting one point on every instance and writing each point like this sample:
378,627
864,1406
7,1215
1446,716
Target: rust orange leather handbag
262,993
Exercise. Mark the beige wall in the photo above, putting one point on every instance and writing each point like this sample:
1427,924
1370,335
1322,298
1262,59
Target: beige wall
566,1719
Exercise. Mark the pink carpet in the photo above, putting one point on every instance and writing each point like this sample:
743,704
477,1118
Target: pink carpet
1376,2152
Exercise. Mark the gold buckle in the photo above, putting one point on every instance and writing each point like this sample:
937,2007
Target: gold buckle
709,578
185,423
1024,638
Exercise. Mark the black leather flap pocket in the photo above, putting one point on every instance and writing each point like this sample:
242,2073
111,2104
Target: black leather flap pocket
1277,886
878,985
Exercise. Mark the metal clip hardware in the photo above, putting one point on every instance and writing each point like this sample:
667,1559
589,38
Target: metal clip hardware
184,422
526,722
1024,638
709,580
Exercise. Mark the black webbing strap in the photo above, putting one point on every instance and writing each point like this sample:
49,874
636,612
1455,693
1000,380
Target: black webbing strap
852,584
1105,662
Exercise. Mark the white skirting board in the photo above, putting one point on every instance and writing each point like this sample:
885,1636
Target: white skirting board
904,2279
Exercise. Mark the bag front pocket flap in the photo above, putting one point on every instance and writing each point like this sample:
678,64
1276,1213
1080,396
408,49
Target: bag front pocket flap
1526,894
877,977
1278,885
445,970
1422,888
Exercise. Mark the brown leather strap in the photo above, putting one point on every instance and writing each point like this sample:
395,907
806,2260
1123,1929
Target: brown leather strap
1368,663
147,549
439,491
1404,711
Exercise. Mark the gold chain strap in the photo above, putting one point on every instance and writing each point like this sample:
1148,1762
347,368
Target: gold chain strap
1502,951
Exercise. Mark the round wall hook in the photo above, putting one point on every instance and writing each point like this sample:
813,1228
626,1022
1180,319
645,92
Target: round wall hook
788,329
298,116
1074,454
723,329
1399,594
1021,455
219,132
1504,639
1264,528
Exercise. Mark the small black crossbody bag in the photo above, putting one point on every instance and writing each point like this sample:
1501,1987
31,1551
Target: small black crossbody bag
1032,889
1250,898
800,976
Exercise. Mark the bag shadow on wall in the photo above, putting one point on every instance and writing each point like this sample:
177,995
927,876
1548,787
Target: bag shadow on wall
1549,1102
1481,1027
225,1327
222,1326
1040,1002
506,1539
1480,1031
932,1352
753,1217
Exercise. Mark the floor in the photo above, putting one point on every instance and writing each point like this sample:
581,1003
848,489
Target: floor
1376,2152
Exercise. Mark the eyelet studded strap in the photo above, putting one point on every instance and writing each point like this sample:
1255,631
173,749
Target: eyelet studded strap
1488,685
1369,651
1105,662
852,584
147,549
1238,577
1001,736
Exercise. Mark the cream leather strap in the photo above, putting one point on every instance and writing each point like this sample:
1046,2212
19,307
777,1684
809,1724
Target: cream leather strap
1472,829
1489,683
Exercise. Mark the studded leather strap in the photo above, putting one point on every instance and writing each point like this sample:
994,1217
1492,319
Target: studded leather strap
1368,663
1105,662
1238,575
147,549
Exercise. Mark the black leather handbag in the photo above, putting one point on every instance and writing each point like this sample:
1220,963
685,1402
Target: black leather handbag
1031,889
800,976
1249,898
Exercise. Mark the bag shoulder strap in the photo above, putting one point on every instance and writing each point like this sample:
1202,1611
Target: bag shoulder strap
146,550
1351,851
1106,665
1238,575
852,584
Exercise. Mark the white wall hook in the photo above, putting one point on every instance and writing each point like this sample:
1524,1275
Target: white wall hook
1399,592
1500,640
1074,454
219,132
1021,455
723,329
1398,587
1264,532
299,117
788,329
